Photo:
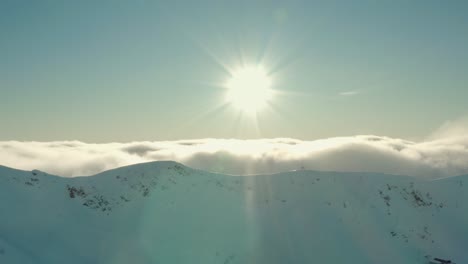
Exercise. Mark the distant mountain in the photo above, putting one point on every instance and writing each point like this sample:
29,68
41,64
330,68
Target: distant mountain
164,212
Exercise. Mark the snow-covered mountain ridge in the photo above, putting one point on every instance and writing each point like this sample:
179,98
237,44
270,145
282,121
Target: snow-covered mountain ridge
164,212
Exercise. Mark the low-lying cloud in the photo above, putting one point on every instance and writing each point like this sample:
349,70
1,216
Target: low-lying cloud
436,157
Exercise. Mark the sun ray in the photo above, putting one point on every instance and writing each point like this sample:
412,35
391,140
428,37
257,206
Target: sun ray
199,117
226,67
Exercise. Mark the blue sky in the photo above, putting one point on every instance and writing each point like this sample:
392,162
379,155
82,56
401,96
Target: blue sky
102,71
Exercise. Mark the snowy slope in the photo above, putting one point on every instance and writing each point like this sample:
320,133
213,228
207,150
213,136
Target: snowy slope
164,212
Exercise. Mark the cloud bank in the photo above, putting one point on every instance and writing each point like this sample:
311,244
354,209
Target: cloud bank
436,157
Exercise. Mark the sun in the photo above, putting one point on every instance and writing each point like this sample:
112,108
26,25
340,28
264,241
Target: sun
249,89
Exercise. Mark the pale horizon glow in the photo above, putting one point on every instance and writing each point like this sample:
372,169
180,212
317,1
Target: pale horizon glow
249,89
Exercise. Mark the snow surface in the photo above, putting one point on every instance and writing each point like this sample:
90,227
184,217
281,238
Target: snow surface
164,212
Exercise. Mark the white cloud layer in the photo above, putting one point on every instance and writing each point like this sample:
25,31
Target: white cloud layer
436,157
